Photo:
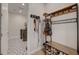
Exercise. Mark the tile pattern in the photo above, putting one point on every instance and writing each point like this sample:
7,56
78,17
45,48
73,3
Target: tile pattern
16,47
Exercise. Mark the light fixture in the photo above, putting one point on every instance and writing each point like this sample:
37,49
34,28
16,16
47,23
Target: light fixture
4,8
23,4
20,11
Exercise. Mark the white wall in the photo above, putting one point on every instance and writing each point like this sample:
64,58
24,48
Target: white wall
36,9
65,34
16,23
4,28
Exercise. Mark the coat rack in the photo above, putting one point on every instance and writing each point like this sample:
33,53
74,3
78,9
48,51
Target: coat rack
35,20
47,46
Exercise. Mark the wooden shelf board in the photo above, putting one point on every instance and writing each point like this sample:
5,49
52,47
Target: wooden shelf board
65,49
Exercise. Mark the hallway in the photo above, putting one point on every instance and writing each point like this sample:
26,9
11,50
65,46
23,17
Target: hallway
28,26
17,22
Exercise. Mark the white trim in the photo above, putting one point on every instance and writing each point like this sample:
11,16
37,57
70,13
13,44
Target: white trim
39,48
13,37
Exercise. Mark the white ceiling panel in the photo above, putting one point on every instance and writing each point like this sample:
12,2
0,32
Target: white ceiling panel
16,7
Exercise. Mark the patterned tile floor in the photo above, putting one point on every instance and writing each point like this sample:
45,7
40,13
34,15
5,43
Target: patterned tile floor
16,47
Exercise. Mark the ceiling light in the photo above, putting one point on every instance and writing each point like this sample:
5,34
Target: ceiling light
23,4
20,11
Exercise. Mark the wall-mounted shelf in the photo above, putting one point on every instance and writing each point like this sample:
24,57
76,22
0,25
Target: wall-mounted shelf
63,11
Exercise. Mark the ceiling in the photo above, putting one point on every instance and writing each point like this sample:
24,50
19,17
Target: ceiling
18,8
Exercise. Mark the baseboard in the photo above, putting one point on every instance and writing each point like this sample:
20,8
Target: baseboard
13,37
1,54
39,48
